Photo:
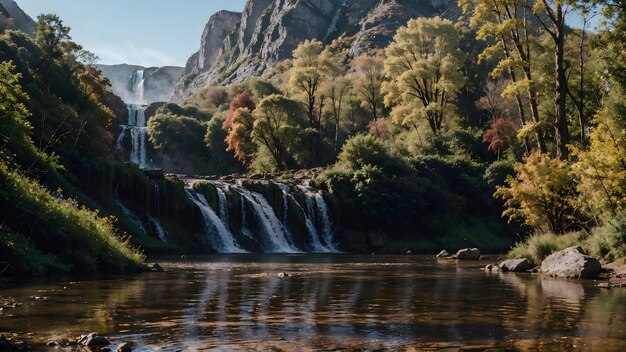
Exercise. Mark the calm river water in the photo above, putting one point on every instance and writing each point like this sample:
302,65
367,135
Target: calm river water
327,303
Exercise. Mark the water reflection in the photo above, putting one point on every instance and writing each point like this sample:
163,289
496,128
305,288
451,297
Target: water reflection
328,302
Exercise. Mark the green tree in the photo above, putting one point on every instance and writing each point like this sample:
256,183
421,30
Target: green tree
277,130
423,68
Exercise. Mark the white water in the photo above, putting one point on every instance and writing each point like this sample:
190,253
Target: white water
326,224
139,134
223,207
159,228
220,237
136,123
276,236
137,87
315,200
131,216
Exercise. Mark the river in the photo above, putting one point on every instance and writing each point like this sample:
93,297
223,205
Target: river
328,302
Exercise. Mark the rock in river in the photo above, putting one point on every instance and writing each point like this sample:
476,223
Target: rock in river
443,254
516,265
468,254
571,263
93,339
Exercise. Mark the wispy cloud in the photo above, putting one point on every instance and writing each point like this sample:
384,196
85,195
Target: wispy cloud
127,53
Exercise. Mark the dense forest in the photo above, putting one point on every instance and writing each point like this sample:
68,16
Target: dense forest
516,110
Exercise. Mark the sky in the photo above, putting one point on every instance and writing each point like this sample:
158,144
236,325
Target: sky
139,32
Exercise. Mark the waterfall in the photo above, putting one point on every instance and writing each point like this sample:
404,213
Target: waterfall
220,237
137,86
159,228
138,133
131,216
222,205
120,139
326,224
286,194
244,226
276,236
317,209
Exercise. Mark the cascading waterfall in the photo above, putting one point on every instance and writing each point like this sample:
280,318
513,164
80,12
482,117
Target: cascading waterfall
318,214
316,244
130,215
137,86
277,237
138,133
160,230
326,224
136,123
220,237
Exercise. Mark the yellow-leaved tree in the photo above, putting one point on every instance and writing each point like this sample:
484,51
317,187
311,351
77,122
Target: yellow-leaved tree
542,194
423,71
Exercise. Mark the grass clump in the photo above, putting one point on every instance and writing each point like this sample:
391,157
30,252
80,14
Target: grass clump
606,242
540,245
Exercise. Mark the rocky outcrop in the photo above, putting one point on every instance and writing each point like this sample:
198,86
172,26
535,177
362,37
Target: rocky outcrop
15,17
468,254
571,263
268,31
158,83
516,265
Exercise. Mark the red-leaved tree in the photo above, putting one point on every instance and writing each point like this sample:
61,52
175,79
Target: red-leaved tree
500,135
239,125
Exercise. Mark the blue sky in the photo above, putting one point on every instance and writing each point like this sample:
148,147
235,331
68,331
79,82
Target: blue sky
140,32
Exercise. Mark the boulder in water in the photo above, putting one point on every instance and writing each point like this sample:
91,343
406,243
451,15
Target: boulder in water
126,347
93,339
443,254
492,268
468,254
283,275
571,263
516,265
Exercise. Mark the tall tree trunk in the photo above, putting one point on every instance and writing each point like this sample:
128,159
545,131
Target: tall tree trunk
560,109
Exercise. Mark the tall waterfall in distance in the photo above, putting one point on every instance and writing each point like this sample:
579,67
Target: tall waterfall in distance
136,123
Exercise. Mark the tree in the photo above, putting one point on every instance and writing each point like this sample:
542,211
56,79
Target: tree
369,76
543,193
312,65
14,126
51,36
239,125
276,130
239,138
423,68
507,26
602,168
500,135
337,90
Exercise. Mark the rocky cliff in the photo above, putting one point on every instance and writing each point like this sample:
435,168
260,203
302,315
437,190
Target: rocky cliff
237,46
158,82
14,18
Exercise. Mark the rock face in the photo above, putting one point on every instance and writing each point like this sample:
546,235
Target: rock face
237,46
571,263
15,17
468,254
158,85
516,265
